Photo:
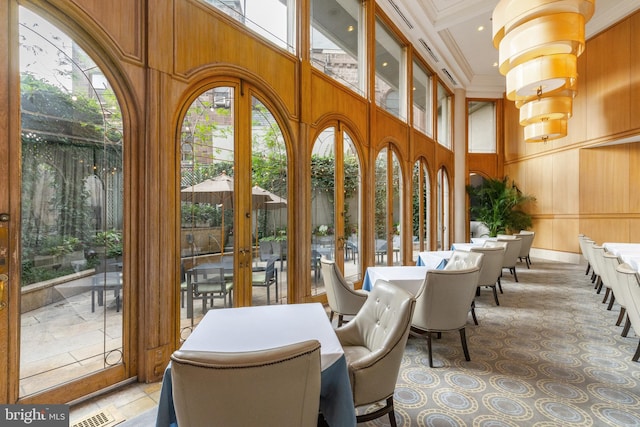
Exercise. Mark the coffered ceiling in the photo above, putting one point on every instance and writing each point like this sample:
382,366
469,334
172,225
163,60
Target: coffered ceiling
447,35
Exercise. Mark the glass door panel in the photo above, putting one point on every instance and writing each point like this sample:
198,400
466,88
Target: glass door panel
421,208
73,290
323,183
388,209
207,205
351,216
269,207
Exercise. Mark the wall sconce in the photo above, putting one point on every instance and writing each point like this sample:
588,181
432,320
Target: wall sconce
539,42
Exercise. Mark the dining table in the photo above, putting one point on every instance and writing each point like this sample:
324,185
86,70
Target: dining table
406,277
436,260
627,252
264,327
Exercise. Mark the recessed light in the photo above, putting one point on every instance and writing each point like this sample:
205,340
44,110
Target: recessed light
384,64
481,28
350,28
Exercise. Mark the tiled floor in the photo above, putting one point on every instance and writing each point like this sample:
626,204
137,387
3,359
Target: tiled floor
125,402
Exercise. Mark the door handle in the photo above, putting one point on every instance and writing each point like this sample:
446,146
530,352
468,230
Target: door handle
3,281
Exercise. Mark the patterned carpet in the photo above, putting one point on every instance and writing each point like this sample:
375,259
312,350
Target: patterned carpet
549,355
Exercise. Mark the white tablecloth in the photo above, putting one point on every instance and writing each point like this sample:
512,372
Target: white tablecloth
406,277
263,327
435,260
628,252
467,246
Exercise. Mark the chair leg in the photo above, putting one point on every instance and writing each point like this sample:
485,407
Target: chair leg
268,296
473,312
429,349
606,295
500,285
528,261
463,338
588,268
611,301
331,316
513,271
636,356
627,325
621,315
340,320
495,294
386,409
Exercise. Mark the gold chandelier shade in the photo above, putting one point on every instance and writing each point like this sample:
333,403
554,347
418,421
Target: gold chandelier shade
546,109
539,42
541,76
545,131
512,13
546,35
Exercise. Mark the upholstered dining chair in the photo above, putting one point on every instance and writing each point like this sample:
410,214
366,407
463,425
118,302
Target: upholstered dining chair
460,260
581,242
527,237
443,302
342,298
631,280
275,387
496,244
624,297
373,344
610,262
511,253
490,272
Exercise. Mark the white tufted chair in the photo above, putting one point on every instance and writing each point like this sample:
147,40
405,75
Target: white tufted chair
527,240
443,304
342,298
490,271
461,260
374,343
511,253
631,280
275,387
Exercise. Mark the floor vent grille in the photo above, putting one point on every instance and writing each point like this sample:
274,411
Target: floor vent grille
102,418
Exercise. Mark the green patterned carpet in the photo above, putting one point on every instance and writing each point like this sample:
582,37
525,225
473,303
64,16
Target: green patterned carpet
549,355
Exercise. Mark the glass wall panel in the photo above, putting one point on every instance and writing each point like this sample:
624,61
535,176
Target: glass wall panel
272,19
444,123
352,218
72,225
269,205
443,220
422,99
323,220
337,40
390,63
388,209
421,208
481,125
206,193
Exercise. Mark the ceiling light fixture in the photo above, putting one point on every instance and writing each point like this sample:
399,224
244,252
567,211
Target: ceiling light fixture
538,43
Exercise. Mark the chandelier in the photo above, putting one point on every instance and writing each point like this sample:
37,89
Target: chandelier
539,42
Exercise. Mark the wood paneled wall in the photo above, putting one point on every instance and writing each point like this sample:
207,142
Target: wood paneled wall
582,184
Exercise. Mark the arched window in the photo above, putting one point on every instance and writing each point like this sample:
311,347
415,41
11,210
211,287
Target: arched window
335,215
388,207
73,229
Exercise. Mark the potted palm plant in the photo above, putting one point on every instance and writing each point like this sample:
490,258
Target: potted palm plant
499,205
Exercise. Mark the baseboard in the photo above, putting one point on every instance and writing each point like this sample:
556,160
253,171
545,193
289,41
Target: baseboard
569,257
